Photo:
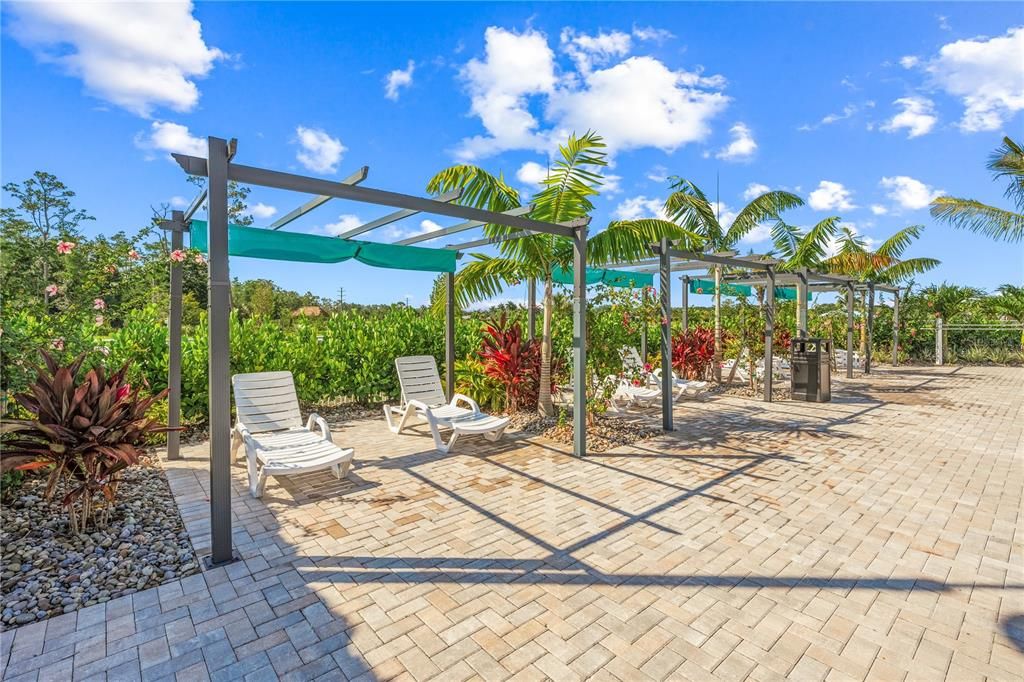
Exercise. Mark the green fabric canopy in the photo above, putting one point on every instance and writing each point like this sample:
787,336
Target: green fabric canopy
707,286
256,242
613,278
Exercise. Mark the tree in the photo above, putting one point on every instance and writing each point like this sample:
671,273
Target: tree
884,264
1009,304
798,249
1007,161
690,208
238,196
566,194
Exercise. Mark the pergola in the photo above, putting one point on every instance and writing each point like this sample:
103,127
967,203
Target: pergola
220,169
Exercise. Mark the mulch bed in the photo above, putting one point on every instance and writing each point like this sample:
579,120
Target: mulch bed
605,433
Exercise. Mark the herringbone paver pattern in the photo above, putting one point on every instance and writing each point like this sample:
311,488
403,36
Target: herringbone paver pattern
876,537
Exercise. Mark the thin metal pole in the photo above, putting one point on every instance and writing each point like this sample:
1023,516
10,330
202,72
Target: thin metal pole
449,335
718,323
686,302
219,354
174,342
643,329
801,304
896,328
665,283
579,342
849,330
939,331
769,333
531,305
871,327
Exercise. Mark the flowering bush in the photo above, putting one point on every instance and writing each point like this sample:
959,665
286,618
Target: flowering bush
693,352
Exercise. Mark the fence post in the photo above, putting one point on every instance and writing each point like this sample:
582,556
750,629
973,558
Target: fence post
939,359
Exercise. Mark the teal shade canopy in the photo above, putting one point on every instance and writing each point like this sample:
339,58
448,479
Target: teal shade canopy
707,286
256,242
613,278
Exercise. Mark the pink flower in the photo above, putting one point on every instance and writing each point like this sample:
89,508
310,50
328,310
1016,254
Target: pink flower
57,343
99,320
111,269
64,247
200,260
664,321
99,304
133,255
177,255
647,367
636,382
52,290
123,391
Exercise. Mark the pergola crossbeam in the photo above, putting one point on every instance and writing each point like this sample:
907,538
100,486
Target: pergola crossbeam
394,217
460,227
353,179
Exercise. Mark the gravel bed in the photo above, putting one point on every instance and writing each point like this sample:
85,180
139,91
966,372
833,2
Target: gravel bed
605,433
47,570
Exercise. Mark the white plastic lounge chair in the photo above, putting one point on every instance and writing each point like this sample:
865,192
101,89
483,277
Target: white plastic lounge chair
681,387
840,355
269,424
423,396
628,395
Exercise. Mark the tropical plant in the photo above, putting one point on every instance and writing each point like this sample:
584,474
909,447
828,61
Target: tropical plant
566,196
1009,304
85,432
1007,161
472,379
513,361
798,249
688,207
693,352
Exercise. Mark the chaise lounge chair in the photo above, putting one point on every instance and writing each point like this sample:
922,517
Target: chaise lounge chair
269,424
423,396
682,387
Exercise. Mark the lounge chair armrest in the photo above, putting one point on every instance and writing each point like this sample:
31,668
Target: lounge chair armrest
466,399
317,420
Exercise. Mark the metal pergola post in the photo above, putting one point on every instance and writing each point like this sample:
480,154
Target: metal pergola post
801,304
665,284
849,330
871,327
579,341
686,302
643,328
219,353
896,328
177,227
719,351
531,308
769,333
449,335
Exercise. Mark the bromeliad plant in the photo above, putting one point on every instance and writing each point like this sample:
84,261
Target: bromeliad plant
86,432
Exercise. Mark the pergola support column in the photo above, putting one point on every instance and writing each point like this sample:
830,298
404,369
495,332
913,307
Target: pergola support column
718,323
177,227
665,284
801,304
871,327
219,354
643,330
531,309
579,342
449,335
896,329
769,333
849,330
686,302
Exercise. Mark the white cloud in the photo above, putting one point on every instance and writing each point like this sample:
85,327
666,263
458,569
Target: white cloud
165,136
637,102
878,209
428,225
640,207
611,184
759,234
987,75
909,61
345,222
532,173
917,116
136,55
262,211
658,174
398,79
830,196
178,202
908,192
742,146
754,190
725,214
658,35
849,111
319,152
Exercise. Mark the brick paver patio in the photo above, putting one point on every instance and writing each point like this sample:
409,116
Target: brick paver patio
876,537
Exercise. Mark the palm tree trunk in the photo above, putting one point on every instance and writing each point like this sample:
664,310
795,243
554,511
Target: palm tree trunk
544,404
718,324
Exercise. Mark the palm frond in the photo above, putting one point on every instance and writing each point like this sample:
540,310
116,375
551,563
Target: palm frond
487,276
480,189
1007,161
688,207
894,246
904,269
786,239
968,214
628,240
573,179
766,207
812,248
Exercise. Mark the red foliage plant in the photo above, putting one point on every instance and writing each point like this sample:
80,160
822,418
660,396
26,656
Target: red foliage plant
86,432
693,352
783,339
514,361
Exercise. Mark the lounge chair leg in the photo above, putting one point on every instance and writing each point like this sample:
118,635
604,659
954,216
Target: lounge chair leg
257,487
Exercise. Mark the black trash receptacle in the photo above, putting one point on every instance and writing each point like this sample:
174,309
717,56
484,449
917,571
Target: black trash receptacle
811,379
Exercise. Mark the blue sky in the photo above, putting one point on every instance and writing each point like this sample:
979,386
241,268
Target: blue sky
867,111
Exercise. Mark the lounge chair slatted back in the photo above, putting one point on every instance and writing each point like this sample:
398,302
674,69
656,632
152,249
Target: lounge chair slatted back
420,380
266,401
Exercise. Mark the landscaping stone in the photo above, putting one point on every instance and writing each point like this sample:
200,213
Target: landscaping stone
48,570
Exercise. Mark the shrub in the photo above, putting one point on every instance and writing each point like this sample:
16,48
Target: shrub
513,362
693,352
87,433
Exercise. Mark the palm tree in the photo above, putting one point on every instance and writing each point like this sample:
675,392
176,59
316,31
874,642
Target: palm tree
689,208
1007,161
883,265
1010,305
566,195
798,249
947,301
